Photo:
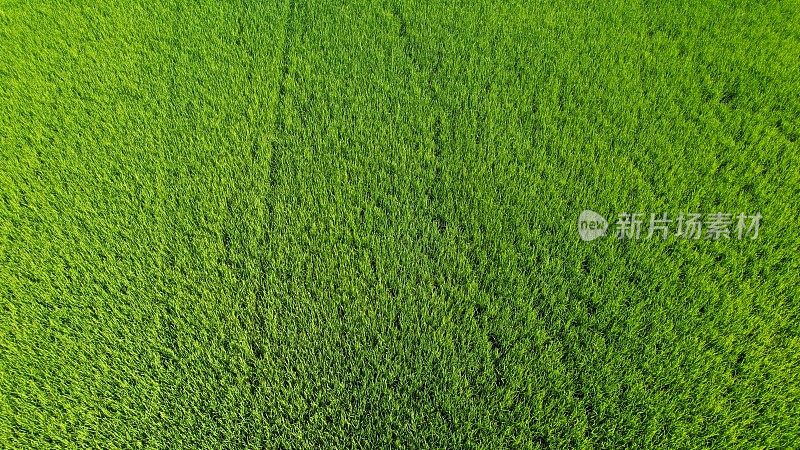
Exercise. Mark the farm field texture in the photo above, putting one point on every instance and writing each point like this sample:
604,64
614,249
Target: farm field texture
312,224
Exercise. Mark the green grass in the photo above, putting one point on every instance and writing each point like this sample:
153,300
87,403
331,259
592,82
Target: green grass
304,224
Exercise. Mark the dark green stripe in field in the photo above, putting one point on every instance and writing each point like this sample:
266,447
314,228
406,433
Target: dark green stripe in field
306,224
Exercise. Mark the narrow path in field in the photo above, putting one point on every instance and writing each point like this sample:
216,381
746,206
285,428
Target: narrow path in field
266,251
225,76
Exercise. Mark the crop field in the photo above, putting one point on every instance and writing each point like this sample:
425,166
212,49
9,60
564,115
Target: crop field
302,224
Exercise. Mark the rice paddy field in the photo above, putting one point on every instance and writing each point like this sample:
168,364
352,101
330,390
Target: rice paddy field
305,224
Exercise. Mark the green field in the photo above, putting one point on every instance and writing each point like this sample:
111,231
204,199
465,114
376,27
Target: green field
315,224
